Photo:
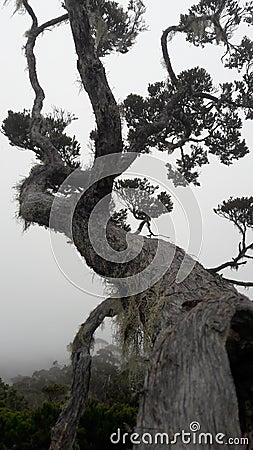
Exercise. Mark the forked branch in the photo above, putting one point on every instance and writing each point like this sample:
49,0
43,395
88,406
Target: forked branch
234,263
65,429
239,212
48,151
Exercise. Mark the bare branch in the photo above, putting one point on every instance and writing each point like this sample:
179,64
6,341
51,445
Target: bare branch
48,151
164,43
65,428
239,283
235,262
31,13
92,72
52,23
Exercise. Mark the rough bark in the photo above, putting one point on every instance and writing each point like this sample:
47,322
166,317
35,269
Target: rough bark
194,377
48,151
203,328
65,428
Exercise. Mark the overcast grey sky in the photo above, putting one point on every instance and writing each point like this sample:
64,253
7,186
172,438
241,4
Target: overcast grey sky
40,309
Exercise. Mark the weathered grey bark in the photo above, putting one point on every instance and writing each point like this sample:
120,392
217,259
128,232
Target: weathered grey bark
203,327
65,428
190,378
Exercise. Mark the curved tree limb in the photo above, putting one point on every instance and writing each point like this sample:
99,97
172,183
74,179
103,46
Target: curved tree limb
52,23
48,152
239,283
235,262
31,13
198,287
164,44
92,72
163,121
93,76
65,429
35,202
215,19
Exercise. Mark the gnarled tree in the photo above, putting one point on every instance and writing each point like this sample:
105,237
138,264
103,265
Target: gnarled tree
201,336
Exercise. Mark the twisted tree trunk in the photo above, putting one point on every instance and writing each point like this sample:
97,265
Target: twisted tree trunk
201,372
200,368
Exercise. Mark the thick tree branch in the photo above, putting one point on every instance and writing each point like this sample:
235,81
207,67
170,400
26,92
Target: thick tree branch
65,429
35,200
31,14
52,23
92,72
165,296
48,152
207,344
167,61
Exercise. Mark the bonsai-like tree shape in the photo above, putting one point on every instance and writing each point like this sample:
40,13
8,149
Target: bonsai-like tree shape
239,211
200,330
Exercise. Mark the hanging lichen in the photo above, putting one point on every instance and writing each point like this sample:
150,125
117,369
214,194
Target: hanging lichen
135,327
